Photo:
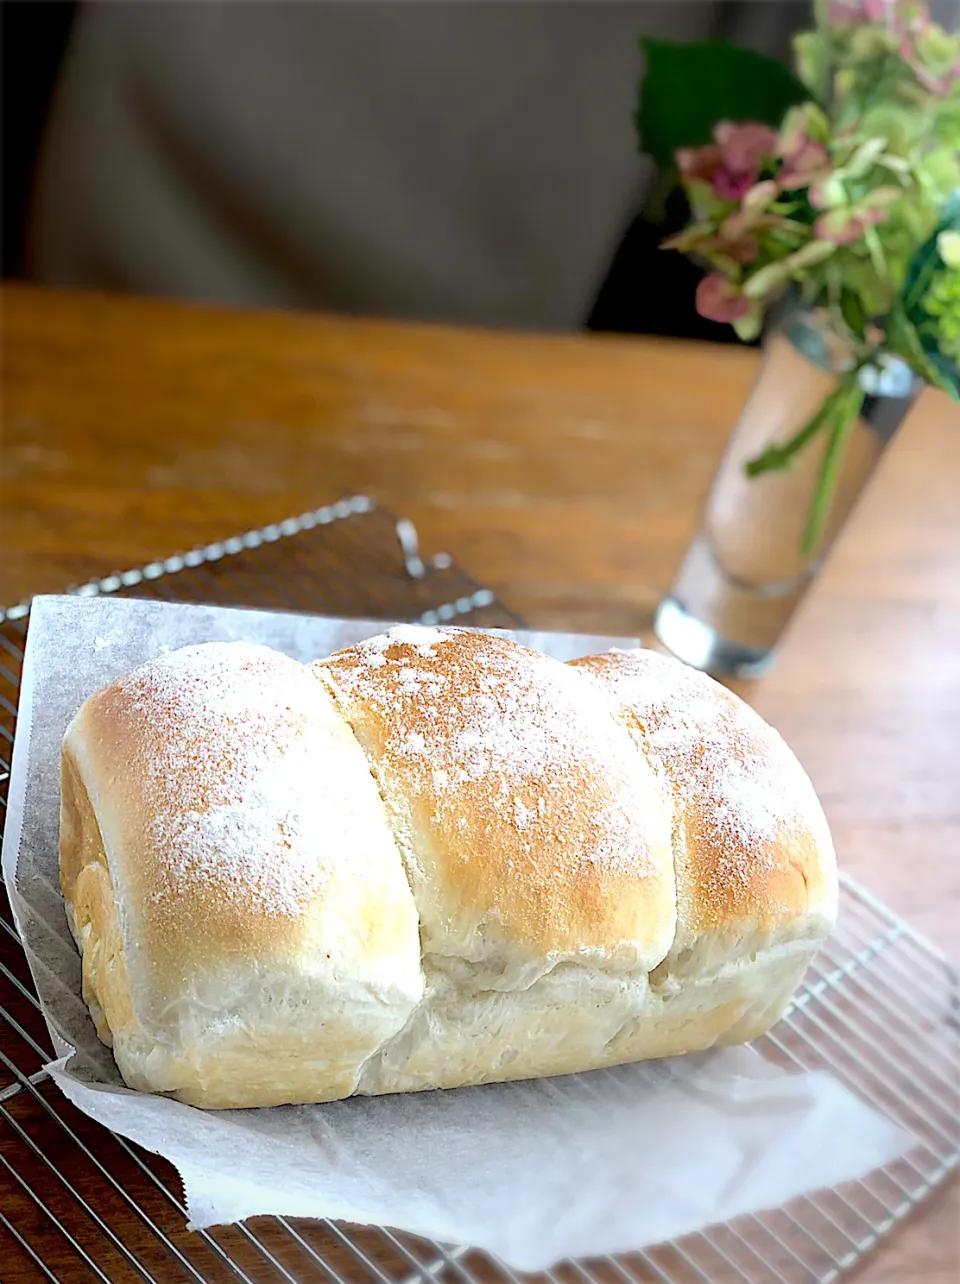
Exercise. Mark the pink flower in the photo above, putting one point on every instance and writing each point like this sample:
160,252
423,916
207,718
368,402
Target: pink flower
847,224
846,227
732,163
809,162
878,10
851,13
729,185
842,13
699,162
746,145
933,84
719,300
804,158
895,15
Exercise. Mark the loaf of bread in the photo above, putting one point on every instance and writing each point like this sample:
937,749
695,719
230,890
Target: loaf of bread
433,859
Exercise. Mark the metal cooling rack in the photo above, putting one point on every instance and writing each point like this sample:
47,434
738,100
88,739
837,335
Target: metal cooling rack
880,1010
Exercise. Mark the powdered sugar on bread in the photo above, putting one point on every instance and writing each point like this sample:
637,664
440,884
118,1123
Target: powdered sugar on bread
507,774
745,811
435,859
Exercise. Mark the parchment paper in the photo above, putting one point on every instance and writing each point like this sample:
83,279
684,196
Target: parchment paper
532,1172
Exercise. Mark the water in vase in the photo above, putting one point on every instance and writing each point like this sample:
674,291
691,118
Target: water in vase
745,572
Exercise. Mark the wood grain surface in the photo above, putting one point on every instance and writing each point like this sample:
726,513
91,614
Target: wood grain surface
566,473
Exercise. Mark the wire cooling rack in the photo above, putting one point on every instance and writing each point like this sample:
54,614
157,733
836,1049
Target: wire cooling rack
880,1010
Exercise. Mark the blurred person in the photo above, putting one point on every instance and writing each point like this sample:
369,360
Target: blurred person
466,160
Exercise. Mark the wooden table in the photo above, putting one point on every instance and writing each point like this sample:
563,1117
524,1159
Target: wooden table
566,473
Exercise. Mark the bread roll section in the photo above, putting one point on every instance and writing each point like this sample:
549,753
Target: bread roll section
755,869
433,859
248,932
537,841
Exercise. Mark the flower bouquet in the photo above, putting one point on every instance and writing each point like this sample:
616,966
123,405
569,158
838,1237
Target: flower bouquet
838,187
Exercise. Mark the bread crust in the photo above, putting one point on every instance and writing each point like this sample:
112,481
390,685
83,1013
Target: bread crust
433,859
232,881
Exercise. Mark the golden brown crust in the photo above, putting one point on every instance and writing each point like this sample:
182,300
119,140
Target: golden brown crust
598,862
233,882
527,811
152,762
750,839
88,890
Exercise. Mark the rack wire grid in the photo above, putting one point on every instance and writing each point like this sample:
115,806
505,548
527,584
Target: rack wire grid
879,1009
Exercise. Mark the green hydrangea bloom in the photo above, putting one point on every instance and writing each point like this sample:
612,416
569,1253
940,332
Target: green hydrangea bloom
939,313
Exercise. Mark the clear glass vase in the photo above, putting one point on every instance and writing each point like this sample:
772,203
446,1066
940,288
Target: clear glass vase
745,572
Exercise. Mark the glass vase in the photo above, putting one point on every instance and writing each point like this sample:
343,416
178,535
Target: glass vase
746,572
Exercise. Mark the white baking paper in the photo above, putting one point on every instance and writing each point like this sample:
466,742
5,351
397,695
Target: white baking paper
532,1172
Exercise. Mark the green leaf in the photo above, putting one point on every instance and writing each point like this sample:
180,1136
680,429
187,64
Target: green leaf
852,311
903,339
926,261
688,88
909,319
812,52
945,375
920,271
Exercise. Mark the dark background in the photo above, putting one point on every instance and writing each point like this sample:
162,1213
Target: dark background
34,36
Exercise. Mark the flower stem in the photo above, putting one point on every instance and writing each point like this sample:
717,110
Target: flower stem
778,456
844,412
